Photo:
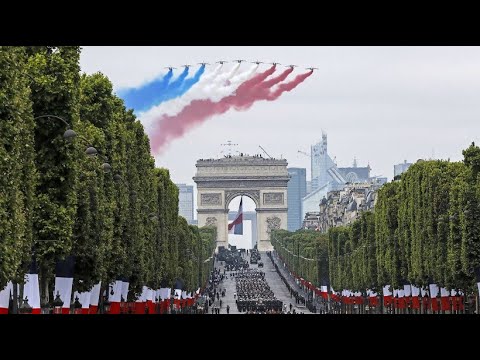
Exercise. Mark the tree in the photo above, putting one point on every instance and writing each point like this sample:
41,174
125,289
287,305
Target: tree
54,90
18,179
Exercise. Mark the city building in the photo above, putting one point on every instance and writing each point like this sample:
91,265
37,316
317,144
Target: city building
297,189
399,169
342,207
355,174
311,220
185,202
326,176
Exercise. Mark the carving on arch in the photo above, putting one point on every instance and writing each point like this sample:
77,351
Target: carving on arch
211,221
273,223
253,194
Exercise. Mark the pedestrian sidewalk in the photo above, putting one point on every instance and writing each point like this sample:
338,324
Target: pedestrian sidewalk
286,274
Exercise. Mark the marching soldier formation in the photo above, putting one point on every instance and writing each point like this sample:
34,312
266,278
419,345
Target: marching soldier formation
254,296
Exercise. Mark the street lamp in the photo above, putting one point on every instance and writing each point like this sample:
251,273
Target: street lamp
91,151
25,308
69,135
57,304
106,167
77,306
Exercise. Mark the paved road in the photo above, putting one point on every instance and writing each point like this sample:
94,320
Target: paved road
273,280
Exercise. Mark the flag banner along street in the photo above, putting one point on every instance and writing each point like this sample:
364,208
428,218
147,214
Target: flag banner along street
31,292
5,298
94,298
84,299
114,296
64,282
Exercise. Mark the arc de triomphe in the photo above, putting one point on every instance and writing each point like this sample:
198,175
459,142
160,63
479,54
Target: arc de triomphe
263,180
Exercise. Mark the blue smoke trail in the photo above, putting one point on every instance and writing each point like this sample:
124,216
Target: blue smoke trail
187,84
161,90
145,97
172,88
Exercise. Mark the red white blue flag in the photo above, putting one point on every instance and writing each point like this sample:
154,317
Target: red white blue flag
236,226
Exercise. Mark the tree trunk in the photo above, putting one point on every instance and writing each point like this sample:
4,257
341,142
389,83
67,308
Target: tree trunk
15,297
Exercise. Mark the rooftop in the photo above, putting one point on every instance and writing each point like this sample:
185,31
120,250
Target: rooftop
241,160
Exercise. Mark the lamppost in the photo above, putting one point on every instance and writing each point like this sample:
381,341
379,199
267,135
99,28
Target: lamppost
77,307
25,308
57,304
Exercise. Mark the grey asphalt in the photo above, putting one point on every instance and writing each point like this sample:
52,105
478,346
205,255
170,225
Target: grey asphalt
273,279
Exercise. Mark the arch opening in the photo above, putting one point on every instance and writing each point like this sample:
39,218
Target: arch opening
248,238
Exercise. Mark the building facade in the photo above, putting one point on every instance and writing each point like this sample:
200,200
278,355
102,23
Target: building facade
399,169
185,201
342,207
297,189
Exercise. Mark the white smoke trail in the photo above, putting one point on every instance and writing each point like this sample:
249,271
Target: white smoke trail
212,87
147,117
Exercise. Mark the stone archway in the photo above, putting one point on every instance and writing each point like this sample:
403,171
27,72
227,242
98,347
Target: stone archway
263,180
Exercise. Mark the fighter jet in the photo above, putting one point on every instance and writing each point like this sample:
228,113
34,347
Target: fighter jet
170,68
239,61
291,66
186,66
257,62
312,68
203,63
221,62
275,64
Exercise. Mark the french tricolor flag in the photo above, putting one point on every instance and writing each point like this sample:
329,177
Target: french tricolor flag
115,296
31,289
5,298
236,226
64,281
94,297
84,299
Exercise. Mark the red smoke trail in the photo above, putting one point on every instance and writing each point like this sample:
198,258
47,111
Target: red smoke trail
289,86
198,111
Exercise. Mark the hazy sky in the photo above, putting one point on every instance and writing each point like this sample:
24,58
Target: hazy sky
381,105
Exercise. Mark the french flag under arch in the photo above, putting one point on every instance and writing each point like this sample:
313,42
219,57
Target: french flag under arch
236,226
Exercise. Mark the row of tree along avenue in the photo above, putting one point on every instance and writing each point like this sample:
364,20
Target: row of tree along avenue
417,252
85,216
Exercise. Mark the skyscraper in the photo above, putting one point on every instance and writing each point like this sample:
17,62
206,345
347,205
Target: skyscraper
399,169
185,201
297,189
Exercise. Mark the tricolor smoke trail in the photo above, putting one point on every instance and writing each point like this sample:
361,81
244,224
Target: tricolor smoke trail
161,90
257,88
211,86
142,98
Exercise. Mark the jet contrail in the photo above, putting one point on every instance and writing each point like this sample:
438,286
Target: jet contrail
141,98
198,111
